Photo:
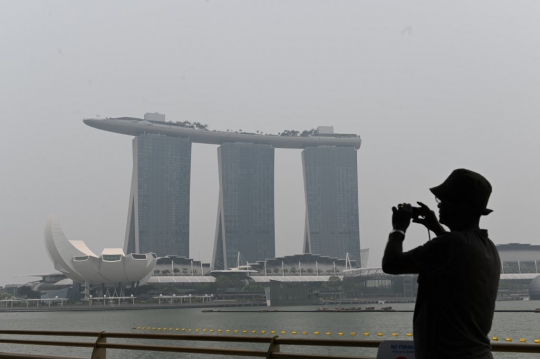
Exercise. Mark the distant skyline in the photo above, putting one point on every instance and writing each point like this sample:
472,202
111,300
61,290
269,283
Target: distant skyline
429,87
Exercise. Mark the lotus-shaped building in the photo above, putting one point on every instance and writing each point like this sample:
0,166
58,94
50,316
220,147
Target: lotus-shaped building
79,263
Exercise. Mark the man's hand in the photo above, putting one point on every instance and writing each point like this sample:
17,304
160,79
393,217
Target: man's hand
394,260
429,219
401,216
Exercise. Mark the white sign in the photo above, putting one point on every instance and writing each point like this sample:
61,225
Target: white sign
396,349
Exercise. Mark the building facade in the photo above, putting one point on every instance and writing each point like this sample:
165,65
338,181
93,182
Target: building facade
331,195
158,215
245,220
158,219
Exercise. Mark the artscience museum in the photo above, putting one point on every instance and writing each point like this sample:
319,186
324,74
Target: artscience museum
112,268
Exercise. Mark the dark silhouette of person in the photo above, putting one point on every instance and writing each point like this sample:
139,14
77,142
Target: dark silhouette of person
458,270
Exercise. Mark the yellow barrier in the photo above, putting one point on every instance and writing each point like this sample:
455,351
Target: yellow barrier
294,332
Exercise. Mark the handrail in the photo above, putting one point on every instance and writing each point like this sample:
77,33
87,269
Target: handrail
274,343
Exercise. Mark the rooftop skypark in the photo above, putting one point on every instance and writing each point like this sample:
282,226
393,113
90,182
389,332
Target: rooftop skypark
200,133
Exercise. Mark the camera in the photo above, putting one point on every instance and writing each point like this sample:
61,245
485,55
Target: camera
415,212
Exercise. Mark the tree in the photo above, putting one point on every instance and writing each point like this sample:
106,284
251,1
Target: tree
4,295
166,272
310,270
27,292
169,290
222,282
290,133
334,282
276,270
255,288
236,282
176,270
307,133
156,272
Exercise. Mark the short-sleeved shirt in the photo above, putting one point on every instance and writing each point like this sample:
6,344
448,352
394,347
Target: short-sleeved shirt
457,288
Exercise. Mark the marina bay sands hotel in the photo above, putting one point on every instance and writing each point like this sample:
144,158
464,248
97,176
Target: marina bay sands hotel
158,218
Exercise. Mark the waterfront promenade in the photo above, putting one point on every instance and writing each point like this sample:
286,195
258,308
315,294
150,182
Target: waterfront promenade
510,322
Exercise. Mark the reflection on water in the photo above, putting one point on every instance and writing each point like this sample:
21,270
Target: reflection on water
512,325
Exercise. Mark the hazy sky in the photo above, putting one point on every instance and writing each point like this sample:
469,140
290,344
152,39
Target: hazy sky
430,86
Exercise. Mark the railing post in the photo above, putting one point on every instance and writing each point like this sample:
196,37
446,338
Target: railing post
99,353
273,347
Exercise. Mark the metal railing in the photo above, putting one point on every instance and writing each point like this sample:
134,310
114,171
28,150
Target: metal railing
100,345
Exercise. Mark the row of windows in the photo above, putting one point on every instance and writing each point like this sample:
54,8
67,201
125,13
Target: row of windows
520,267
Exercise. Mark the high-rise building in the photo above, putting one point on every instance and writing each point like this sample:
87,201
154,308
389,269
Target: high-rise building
158,219
331,194
245,222
158,216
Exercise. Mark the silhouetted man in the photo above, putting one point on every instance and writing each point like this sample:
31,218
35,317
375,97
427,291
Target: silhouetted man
458,270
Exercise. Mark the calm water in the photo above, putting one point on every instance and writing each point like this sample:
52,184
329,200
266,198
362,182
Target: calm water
513,325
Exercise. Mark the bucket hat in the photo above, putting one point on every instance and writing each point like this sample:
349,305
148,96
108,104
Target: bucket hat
465,188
